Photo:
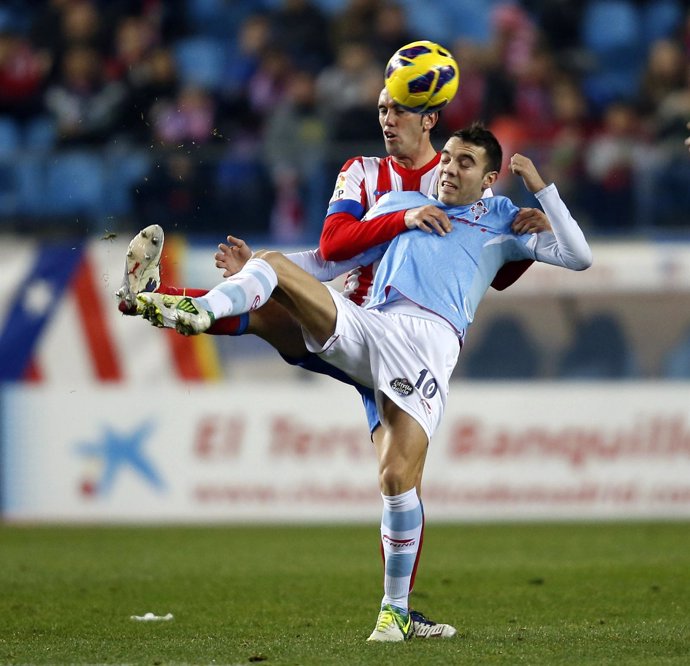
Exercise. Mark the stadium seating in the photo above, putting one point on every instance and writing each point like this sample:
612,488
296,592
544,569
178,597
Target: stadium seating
599,350
201,61
40,134
123,171
660,19
75,184
10,137
506,351
676,363
612,32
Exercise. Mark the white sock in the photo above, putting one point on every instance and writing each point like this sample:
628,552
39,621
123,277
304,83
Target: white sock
401,528
243,292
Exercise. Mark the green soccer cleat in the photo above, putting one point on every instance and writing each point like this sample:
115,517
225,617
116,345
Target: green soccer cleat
182,313
392,625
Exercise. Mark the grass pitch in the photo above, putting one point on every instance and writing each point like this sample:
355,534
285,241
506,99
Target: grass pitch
520,593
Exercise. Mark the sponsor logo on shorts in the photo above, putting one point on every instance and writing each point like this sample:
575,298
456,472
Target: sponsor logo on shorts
402,386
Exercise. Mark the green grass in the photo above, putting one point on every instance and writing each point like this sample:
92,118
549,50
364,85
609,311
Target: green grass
519,594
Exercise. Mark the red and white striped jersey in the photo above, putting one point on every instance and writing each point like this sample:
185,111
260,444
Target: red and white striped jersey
362,181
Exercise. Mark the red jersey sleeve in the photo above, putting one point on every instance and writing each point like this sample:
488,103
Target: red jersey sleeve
344,236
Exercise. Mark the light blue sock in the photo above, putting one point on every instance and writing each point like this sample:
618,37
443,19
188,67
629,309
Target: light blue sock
243,292
401,529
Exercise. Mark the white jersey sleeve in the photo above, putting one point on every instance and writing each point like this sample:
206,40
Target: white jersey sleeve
566,244
313,263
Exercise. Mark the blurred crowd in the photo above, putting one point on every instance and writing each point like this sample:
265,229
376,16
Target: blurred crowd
221,115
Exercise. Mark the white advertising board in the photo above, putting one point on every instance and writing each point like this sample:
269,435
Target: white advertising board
299,451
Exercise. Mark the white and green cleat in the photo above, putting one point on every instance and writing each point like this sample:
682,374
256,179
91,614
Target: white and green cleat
392,625
142,267
182,313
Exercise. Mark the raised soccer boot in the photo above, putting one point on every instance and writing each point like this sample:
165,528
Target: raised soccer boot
423,627
392,625
182,313
142,267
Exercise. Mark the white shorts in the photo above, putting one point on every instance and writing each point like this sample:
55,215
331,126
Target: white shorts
407,358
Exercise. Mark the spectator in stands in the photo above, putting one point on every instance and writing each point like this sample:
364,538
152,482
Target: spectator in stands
673,111
44,32
663,74
532,92
670,174
243,65
300,28
390,31
23,72
267,87
611,161
340,86
189,118
178,190
134,39
155,83
470,102
356,123
559,23
354,23
86,108
78,24
294,146
254,37
567,138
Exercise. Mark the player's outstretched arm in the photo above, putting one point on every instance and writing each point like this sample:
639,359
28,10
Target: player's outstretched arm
233,255
567,245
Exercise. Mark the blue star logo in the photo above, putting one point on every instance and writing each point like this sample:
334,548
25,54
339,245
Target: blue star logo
119,451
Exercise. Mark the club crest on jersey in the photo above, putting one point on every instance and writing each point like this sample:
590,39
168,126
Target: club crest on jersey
479,209
402,386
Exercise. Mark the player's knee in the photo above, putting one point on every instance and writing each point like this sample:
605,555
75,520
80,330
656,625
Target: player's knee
273,257
394,478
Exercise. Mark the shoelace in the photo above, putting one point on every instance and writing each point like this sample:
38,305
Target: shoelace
388,617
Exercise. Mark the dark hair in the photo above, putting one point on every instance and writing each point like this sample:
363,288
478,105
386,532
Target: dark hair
478,135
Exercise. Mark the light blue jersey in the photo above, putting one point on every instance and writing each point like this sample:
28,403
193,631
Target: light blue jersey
448,275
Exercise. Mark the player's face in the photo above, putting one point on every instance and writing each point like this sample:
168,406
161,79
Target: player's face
462,173
404,133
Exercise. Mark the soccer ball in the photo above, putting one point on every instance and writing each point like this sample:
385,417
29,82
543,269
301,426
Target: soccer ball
422,77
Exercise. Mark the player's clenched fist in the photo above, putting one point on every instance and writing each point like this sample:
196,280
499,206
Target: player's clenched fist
524,167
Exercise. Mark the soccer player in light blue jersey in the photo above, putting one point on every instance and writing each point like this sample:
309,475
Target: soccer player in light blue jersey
404,343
